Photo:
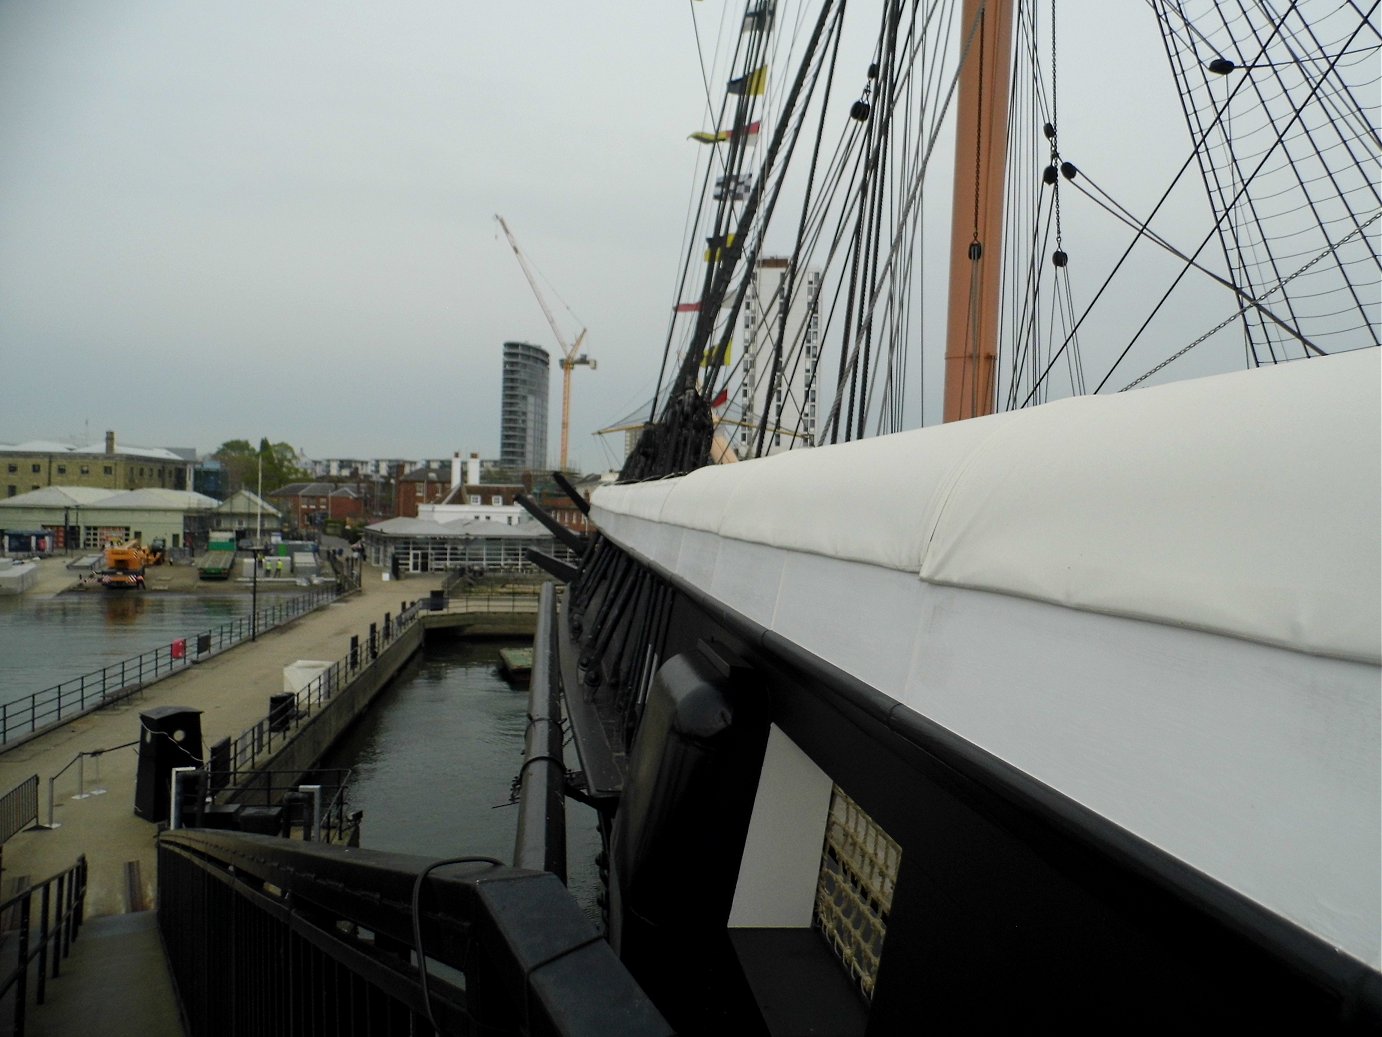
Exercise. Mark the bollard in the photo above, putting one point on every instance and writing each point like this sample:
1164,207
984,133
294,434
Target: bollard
314,833
355,651
373,642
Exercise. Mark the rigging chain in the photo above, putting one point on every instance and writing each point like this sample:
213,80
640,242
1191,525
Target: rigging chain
1253,302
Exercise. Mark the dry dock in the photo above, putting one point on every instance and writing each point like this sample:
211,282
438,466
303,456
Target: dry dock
232,691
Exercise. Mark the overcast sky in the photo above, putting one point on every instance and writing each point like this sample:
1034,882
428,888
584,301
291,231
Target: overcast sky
234,220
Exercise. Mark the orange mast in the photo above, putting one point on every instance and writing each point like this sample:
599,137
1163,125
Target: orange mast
976,235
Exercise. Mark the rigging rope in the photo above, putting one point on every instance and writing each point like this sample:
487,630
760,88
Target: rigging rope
1295,116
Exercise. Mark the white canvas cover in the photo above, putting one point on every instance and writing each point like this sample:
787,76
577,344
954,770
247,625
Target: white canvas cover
1244,504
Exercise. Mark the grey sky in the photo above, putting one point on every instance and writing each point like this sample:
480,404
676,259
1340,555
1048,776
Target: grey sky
276,218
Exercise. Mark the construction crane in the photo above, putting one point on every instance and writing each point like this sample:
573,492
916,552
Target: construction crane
569,354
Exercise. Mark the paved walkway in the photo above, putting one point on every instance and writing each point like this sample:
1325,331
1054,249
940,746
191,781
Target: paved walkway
231,689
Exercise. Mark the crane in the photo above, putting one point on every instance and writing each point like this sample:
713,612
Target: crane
570,356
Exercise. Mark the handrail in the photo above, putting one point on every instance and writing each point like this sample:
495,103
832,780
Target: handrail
120,679
516,602
80,762
59,921
266,788
18,807
540,838
294,915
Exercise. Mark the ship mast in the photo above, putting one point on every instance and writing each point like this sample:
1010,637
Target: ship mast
976,234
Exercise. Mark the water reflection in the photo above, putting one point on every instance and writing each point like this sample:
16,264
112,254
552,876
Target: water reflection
123,609
435,759
47,640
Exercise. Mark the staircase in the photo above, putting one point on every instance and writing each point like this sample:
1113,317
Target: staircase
115,983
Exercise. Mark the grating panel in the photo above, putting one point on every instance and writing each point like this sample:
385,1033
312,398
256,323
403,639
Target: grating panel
854,891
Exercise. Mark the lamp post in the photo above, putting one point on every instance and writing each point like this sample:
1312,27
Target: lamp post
257,552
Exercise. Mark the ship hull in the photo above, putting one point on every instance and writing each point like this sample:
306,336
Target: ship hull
877,780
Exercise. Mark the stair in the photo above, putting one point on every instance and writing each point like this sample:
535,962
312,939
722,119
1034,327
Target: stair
115,982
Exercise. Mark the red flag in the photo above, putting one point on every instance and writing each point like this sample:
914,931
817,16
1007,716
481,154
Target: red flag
751,130
722,399
687,307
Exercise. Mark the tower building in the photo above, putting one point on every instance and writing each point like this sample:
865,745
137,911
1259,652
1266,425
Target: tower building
789,397
523,407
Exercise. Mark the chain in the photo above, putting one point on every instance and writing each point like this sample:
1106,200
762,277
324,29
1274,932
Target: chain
1275,288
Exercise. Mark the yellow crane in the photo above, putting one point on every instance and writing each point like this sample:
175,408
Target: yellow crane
569,356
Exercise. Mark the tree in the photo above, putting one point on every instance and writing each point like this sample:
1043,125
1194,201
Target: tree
280,465
240,463
244,466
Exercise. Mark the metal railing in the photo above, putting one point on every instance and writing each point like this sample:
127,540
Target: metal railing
18,807
540,838
290,710
498,602
268,936
118,680
312,807
61,902
83,792
288,714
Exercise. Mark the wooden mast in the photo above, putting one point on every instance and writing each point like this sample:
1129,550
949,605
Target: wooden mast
976,235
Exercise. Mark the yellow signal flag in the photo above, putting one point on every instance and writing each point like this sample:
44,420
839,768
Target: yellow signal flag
708,357
717,247
752,84
707,137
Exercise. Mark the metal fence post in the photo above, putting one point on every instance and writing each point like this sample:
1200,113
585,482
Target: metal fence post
51,822
21,990
60,928
97,789
44,903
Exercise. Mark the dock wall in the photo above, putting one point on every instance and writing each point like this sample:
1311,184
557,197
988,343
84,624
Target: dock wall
316,735
327,708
